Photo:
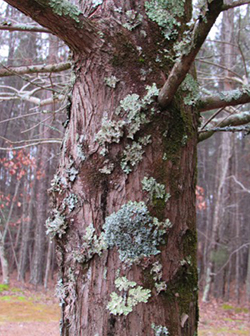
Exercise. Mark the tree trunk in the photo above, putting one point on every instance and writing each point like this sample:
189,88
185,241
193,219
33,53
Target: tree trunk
122,156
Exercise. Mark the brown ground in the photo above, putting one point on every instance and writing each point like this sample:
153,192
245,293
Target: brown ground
25,311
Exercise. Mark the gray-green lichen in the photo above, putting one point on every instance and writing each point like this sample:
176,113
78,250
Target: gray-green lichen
235,94
130,296
57,225
61,292
96,3
133,108
133,19
80,153
166,14
191,89
154,189
133,154
156,271
107,167
111,131
70,202
111,81
63,8
160,330
134,232
90,246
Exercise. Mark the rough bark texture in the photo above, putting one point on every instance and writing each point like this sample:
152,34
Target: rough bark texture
141,140
170,159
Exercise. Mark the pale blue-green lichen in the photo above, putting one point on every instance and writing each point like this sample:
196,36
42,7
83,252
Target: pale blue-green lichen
91,245
111,131
160,330
166,14
129,297
133,153
111,81
61,292
96,3
134,232
63,8
184,46
55,185
154,189
72,173
107,168
70,202
164,157
80,153
57,225
235,94
133,19
186,261
156,271
191,89
133,109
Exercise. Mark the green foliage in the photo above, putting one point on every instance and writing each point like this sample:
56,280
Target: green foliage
4,287
133,231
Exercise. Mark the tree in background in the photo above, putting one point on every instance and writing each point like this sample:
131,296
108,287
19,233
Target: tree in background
124,194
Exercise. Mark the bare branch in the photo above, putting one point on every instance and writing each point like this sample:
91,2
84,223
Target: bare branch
240,184
236,4
226,98
15,27
183,65
49,141
63,19
12,71
233,120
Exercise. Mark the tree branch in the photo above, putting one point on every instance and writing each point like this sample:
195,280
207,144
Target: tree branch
233,120
63,19
235,4
183,65
14,27
226,98
13,71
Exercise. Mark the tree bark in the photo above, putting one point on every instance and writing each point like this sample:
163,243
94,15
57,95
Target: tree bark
109,78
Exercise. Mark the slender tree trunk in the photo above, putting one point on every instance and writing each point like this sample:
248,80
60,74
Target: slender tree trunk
4,261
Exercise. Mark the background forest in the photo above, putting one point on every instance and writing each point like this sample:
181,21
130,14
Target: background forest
33,108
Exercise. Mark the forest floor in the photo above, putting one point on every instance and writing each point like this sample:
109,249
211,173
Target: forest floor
25,311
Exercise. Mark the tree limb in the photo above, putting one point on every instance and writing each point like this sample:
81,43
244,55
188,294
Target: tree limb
233,120
183,65
63,19
226,98
12,71
235,4
14,27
